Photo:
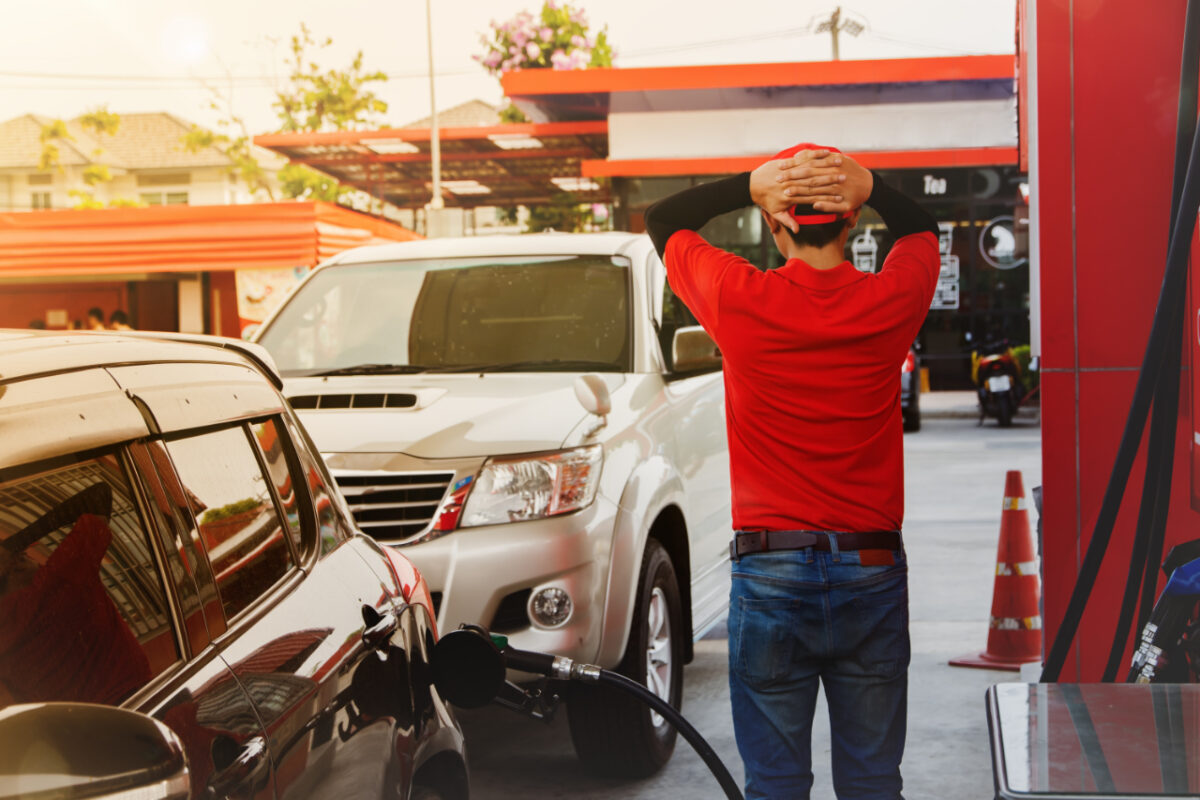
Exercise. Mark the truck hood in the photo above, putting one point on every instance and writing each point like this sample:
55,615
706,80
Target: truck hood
454,416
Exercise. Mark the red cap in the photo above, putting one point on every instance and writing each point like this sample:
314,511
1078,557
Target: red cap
803,213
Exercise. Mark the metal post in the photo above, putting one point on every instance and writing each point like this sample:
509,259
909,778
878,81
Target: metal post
435,145
833,30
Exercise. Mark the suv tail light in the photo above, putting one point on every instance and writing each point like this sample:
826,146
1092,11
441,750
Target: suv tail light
910,362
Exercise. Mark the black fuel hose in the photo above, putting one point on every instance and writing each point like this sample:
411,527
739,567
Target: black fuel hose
702,748
564,668
1158,381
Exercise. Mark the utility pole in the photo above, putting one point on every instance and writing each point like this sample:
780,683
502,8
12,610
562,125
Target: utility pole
435,145
835,25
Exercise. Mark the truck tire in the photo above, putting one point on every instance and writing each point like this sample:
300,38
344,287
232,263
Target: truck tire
613,733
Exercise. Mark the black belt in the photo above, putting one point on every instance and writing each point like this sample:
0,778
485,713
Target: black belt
746,542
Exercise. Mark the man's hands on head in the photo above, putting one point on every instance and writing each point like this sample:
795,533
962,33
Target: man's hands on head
828,181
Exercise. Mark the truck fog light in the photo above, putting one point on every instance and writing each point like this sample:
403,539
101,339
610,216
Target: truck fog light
550,607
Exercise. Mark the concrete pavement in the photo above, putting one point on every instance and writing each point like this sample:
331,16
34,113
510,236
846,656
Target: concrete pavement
954,487
964,405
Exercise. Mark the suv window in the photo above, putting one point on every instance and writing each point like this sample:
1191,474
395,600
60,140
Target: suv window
235,511
83,611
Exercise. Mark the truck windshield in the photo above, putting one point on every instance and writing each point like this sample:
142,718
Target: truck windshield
473,314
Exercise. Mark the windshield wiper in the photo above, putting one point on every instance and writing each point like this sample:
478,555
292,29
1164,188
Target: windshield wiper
370,369
533,365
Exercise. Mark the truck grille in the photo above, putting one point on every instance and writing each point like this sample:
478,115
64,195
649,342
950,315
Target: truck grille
394,505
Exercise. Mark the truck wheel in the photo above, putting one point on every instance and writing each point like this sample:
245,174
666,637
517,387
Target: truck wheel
613,733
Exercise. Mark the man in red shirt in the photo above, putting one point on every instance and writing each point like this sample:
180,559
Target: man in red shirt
813,352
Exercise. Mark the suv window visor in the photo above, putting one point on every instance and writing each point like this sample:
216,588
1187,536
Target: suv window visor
457,315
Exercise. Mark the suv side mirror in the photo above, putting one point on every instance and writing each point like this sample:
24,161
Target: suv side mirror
80,750
693,350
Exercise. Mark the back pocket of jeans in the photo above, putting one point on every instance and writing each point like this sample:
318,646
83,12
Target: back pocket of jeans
766,637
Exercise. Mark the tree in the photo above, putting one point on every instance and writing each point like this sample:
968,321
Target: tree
312,100
100,122
320,101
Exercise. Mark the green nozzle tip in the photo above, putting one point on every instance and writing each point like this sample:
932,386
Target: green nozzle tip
500,641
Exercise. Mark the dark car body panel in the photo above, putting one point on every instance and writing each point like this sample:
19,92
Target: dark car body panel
308,679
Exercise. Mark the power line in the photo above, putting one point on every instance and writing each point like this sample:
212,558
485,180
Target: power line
151,82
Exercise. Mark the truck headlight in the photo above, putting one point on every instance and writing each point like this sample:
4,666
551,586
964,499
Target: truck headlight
518,489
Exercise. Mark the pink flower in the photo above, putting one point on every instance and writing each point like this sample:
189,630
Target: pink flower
547,34
578,41
519,38
579,60
550,4
532,51
560,60
492,60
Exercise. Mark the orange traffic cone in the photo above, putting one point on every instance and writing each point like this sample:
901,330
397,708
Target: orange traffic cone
1015,632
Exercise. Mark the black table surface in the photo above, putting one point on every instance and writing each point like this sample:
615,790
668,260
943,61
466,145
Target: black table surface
1095,740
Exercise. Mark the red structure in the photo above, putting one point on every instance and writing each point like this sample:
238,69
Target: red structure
1103,82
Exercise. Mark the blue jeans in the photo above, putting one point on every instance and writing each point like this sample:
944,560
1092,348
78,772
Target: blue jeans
799,617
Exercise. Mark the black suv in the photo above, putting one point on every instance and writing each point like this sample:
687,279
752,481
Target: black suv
171,543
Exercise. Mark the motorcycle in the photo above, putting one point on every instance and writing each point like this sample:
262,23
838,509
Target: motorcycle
997,378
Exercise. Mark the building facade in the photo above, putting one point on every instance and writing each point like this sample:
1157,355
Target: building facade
944,130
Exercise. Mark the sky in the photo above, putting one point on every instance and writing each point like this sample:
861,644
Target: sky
63,58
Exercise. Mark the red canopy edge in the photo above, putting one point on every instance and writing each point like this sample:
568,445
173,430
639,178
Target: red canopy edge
184,238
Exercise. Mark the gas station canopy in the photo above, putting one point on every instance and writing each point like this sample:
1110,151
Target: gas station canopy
498,165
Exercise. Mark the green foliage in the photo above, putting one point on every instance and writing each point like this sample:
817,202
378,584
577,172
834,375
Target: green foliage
317,100
229,510
303,183
510,114
125,202
564,213
96,173
235,142
52,133
312,100
55,129
1029,377
100,120
82,199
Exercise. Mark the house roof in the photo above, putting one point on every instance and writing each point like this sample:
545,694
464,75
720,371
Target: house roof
472,112
143,141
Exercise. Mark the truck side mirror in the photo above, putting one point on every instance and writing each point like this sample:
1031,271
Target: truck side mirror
80,750
693,350
592,393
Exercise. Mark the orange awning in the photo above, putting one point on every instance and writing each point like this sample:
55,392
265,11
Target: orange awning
113,241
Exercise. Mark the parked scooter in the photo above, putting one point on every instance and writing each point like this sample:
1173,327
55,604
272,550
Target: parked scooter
997,378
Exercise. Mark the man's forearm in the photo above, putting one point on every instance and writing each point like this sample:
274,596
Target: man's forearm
693,207
900,213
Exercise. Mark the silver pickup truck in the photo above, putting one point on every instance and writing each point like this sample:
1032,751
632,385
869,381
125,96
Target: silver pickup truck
539,422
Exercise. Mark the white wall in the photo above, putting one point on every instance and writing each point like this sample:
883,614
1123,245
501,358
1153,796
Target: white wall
743,132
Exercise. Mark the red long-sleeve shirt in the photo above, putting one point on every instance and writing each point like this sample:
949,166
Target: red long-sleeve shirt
812,379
